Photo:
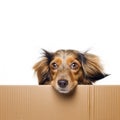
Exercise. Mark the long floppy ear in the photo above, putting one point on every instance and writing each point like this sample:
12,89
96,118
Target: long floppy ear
41,68
92,67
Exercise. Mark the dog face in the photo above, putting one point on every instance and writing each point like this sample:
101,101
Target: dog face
64,69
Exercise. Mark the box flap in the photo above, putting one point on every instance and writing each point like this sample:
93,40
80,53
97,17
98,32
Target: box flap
43,103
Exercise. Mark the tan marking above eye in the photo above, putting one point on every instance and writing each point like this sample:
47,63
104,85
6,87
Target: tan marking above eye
56,63
73,63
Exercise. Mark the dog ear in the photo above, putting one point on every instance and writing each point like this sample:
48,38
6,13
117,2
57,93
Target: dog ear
41,68
92,67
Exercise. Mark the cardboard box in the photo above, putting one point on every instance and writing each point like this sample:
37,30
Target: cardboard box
43,103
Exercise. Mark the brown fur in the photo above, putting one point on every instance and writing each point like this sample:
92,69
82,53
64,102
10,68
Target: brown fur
69,67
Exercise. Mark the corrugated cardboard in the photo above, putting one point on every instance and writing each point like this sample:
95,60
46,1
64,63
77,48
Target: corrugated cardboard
43,103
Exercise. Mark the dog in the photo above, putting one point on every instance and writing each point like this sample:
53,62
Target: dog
65,69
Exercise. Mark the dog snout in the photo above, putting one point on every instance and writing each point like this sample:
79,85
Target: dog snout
62,83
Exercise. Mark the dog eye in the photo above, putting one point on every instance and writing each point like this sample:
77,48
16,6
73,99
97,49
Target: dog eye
54,66
74,66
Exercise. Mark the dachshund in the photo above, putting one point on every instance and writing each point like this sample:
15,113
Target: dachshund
65,69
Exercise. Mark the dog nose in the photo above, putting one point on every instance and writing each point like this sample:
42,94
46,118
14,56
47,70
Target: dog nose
62,83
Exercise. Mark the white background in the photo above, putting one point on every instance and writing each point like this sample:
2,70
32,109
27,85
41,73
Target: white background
26,26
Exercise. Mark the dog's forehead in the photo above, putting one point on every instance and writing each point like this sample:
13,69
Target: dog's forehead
65,53
65,56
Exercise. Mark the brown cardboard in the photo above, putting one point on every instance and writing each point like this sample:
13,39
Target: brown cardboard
43,103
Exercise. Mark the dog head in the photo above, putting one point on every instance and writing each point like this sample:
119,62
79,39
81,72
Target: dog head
64,69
